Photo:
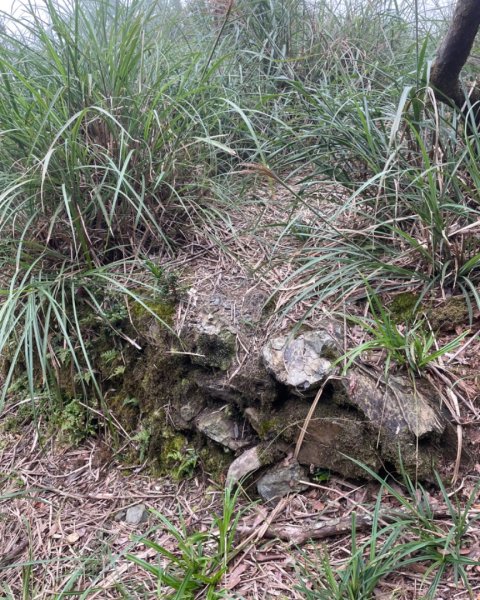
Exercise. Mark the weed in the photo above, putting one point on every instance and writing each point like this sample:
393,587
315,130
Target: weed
186,462
412,346
201,558
398,540
142,438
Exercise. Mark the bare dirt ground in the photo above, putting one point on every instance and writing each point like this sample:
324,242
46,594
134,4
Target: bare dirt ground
62,529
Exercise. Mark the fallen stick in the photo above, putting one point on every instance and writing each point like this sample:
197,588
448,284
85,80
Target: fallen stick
300,534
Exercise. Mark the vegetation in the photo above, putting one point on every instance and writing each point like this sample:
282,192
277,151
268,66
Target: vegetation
130,127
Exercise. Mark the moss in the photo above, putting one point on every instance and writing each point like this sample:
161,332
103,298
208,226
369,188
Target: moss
267,426
125,408
450,314
163,309
215,460
172,445
270,453
215,350
74,423
404,307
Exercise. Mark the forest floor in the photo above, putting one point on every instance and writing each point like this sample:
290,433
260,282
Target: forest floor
64,533
62,521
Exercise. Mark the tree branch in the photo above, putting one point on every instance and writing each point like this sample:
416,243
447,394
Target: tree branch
452,56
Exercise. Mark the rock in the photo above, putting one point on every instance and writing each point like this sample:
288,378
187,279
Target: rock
372,422
219,427
120,516
303,362
136,514
396,406
246,463
281,480
191,407
333,433
251,460
212,343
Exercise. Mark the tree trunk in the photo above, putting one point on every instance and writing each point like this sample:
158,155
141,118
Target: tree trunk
452,56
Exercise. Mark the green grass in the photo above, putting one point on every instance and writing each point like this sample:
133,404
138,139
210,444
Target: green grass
412,345
123,125
398,539
201,559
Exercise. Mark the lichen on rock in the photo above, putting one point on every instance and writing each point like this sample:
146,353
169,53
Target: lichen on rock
301,362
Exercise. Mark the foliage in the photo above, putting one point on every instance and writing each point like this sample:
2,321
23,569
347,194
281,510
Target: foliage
186,462
412,345
398,540
97,132
201,558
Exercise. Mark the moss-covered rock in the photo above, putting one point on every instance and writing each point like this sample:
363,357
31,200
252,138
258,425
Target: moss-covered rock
450,314
405,308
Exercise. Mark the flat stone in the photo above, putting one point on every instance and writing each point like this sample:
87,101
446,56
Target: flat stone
221,428
396,406
281,480
136,514
246,463
253,459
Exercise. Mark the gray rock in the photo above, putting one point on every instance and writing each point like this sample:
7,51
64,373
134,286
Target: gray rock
120,515
302,362
212,342
252,459
281,480
221,428
246,463
396,406
136,514
191,407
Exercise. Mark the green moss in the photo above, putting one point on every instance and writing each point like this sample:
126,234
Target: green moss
74,422
215,460
450,314
404,307
267,427
125,408
163,309
170,452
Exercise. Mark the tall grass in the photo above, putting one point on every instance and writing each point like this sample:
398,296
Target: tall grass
108,127
121,121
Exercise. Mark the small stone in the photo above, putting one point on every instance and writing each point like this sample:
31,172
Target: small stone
246,463
222,429
301,362
191,407
120,516
136,514
251,460
282,480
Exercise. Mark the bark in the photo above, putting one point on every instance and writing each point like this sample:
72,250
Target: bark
452,56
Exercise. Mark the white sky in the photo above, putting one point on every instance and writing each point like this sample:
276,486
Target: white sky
6,5
15,6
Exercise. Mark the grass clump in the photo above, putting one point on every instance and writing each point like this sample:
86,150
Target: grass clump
101,128
202,557
399,539
412,345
